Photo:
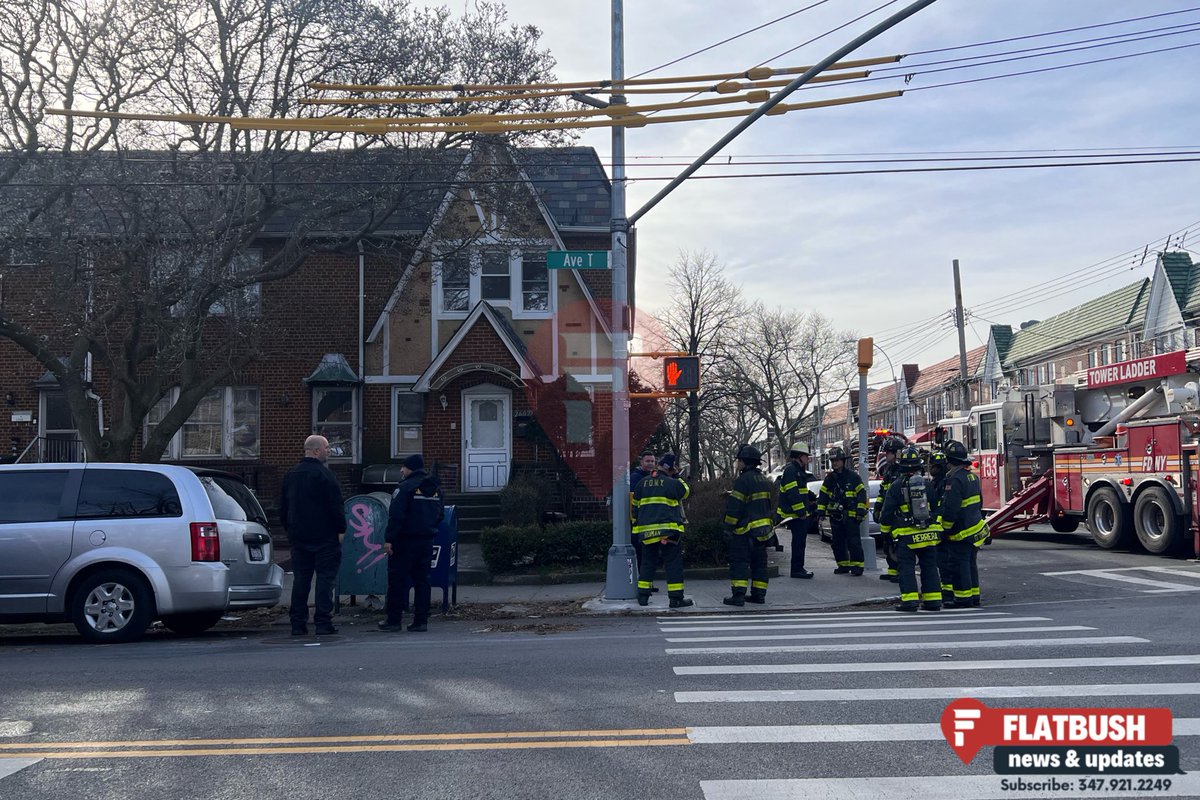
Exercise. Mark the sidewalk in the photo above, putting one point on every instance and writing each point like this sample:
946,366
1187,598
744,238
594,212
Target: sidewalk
824,590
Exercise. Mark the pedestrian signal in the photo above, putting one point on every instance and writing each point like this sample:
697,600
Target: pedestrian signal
681,373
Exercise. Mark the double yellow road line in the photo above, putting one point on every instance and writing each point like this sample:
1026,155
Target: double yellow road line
383,743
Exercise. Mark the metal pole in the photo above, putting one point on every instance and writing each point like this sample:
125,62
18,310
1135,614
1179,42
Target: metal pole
960,320
621,575
864,529
778,98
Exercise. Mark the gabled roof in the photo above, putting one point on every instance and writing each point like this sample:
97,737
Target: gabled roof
1002,335
1116,310
1178,268
334,370
937,377
508,337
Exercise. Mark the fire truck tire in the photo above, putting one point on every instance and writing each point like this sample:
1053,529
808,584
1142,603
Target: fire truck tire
1159,528
1109,519
1064,524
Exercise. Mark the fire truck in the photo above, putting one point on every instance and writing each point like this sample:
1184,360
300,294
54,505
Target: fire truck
1117,452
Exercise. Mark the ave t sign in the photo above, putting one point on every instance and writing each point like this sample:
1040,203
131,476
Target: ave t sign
681,373
577,259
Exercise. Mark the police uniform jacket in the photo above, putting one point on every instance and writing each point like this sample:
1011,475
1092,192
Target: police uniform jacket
748,509
657,507
416,508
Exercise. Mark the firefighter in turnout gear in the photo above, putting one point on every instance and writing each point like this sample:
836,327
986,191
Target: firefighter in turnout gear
913,523
796,504
937,485
748,527
961,518
658,520
844,500
888,472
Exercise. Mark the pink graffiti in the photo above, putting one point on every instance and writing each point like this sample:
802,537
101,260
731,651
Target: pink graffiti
360,523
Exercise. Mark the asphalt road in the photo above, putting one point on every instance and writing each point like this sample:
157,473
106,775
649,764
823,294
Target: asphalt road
829,705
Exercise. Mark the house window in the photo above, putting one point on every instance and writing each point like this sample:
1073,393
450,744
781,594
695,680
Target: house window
495,276
456,282
240,300
579,421
224,424
1119,350
408,416
535,283
333,417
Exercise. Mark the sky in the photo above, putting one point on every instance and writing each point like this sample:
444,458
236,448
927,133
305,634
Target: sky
874,252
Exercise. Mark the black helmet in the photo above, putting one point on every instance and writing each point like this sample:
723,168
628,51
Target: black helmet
956,452
937,459
836,454
892,444
910,458
749,454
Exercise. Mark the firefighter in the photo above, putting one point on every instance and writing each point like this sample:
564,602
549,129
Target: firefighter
888,472
796,504
748,527
844,500
961,518
937,484
658,521
908,514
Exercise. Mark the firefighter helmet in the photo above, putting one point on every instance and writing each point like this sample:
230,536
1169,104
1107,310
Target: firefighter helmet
910,458
798,448
892,444
836,454
956,452
937,459
748,454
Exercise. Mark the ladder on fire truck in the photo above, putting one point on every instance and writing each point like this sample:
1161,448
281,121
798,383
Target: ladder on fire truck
1029,506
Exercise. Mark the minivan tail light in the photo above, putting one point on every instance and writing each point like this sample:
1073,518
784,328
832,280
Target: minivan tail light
206,542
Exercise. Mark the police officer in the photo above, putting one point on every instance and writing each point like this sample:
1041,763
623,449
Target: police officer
796,504
888,472
915,532
961,517
844,500
748,527
658,521
937,485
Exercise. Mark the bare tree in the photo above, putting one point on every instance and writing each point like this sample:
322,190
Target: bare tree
143,230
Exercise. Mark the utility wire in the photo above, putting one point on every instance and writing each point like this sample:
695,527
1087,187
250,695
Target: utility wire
829,32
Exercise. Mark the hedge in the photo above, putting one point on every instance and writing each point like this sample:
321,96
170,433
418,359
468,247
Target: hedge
581,546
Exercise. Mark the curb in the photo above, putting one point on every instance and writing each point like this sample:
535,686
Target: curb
481,578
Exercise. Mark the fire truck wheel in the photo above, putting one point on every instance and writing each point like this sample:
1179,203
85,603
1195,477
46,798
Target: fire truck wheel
1064,524
1158,526
1109,519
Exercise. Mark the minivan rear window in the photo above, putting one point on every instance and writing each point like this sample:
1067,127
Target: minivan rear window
127,493
32,496
232,499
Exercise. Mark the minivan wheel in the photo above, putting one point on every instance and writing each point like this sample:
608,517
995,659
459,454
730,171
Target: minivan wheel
113,606
193,623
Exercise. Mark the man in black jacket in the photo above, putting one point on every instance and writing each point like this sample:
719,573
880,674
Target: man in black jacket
412,524
315,521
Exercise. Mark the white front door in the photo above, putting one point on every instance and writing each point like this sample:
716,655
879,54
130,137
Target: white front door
487,439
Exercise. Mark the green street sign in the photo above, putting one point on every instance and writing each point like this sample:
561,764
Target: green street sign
577,259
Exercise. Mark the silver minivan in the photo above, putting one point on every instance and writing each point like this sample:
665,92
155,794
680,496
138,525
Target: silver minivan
112,547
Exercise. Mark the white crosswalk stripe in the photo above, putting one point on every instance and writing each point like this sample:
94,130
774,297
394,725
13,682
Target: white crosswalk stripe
10,765
721,670
1119,575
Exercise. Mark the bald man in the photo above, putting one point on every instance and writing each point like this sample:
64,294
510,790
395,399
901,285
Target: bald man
311,508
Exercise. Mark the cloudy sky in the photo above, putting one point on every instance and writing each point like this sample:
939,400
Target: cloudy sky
874,252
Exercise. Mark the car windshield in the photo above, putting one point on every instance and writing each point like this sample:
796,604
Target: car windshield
232,499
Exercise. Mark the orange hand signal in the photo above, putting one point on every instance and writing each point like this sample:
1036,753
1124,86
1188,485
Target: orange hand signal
673,373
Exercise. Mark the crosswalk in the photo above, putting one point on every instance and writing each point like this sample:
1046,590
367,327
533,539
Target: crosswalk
874,683
1152,579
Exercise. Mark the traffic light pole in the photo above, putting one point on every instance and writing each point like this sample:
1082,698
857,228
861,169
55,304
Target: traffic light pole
621,574
621,577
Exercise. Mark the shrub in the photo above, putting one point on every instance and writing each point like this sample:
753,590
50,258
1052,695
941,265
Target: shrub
704,544
522,503
525,548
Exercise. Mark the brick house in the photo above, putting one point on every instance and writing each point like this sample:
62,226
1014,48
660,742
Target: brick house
388,352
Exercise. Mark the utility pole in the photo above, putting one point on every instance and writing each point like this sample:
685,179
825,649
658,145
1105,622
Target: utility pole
866,356
621,574
960,320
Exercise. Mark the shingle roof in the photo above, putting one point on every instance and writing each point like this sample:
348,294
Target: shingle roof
1178,268
1002,335
935,378
571,183
1117,309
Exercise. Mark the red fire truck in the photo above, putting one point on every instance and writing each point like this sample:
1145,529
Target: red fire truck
1118,452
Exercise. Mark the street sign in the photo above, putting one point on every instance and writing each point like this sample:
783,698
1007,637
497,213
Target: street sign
577,259
681,373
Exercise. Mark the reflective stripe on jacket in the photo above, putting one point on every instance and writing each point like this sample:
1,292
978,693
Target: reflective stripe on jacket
961,511
888,474
794,496
657,509
748,509
897,515
843,493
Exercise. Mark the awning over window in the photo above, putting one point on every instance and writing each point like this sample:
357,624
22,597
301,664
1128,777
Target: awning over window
334,370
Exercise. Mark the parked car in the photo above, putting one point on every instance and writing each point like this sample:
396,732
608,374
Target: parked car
872,493
112,547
